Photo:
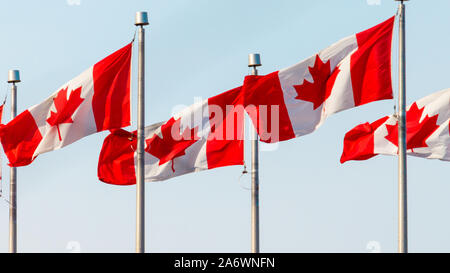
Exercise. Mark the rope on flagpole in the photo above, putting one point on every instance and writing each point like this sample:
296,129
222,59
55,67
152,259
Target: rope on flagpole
134,36
395,41
244,172
131,145
7,201
398,12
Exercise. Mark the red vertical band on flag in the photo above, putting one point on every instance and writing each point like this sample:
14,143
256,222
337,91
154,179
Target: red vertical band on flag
116,161
266,91
226,146
111,100
359,142
370,65
20,138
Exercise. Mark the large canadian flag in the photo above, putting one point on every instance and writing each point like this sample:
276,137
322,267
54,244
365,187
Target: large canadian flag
427,132
206,135
96,100
296,100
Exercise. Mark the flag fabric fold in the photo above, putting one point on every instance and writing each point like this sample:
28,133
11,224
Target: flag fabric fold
96,100
206,135
296,100
427,132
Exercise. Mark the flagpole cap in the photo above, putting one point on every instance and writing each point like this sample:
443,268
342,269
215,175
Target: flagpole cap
254,59
13,76
141,18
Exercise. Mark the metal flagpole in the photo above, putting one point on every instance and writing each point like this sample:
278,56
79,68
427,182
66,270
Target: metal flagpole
13,77
141,21
402,181
254,60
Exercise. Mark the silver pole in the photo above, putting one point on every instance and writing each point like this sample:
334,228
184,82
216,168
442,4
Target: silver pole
141,21
254,60
402,172
13,77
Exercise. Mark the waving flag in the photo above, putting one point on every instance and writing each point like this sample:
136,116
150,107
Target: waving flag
296,100
427,132
204,136
96,100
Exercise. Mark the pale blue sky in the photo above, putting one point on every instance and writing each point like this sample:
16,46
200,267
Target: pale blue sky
309,201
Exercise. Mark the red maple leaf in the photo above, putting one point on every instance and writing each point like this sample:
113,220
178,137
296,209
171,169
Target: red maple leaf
64,108
320,89
417,132
172,144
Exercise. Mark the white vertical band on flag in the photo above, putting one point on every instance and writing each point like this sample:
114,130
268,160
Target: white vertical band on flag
83,118
195,158
381,144
341,96
303,117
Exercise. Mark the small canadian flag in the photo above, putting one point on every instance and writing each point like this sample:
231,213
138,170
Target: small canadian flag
206,135
96,100
296,100
427,132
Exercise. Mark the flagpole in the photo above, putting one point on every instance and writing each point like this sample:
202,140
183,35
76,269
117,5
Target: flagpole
402,172
141,21
13,77
254,60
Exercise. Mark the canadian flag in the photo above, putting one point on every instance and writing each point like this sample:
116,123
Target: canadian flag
427,132
296,100
96,100
206,135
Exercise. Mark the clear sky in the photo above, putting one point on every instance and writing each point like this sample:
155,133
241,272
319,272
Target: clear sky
309,202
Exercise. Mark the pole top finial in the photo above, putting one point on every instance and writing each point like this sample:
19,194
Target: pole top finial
254,59
141,18
13,76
